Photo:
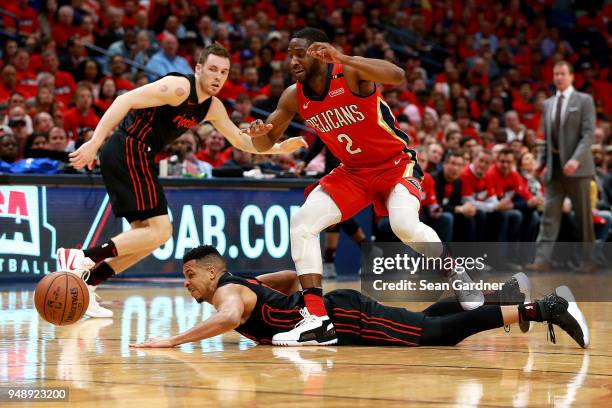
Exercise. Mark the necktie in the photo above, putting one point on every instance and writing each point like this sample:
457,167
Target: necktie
557,123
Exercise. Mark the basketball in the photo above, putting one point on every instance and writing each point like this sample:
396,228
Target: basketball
61,298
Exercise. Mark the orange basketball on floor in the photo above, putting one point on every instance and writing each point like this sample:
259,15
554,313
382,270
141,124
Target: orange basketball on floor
61,298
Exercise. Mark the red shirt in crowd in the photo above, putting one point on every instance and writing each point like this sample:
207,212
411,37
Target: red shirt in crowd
28,19
428,191
65,87
74,121
231,91
123,85
221,158
478,188
26,83
507,186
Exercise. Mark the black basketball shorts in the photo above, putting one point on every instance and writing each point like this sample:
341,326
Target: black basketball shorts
130,176
360,320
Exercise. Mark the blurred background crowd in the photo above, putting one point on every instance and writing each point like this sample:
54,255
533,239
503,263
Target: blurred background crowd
477,73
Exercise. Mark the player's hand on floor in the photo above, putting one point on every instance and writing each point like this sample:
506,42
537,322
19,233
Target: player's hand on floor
258,128
84,156
325,52
292,144
154,343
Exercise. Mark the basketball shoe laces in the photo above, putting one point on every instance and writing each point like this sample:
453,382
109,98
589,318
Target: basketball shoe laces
307,318
551,303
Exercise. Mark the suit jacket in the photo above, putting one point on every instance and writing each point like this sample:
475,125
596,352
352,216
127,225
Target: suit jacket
455,197
575,134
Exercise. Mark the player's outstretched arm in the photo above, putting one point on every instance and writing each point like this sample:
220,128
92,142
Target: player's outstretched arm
366,69
245,139
166,91
230,307
280,120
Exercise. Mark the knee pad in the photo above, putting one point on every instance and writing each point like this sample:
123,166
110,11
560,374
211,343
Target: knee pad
405,223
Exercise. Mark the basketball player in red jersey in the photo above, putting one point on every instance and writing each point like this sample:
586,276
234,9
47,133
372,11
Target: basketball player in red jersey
147,119
337,96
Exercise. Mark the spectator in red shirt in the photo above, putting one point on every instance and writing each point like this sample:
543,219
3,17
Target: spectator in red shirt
502,220
214,151
8,77
28,19
509,184
64,82
233,86
45,101
118,69
26,77
64,29
475,187
108,93
466,126
82,115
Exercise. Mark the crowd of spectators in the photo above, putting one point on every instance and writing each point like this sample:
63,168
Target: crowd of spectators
477,73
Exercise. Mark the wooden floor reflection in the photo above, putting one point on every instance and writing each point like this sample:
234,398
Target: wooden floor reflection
93,359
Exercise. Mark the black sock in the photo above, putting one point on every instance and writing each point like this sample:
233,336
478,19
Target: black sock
330,255
530,312
100,273
101,252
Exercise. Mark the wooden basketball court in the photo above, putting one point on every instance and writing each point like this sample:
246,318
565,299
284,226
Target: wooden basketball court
93,359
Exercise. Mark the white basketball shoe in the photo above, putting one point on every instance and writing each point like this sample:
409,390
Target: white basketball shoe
74,260
310,331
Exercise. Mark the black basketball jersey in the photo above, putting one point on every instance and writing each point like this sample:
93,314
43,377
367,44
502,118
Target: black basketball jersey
273,313
161,125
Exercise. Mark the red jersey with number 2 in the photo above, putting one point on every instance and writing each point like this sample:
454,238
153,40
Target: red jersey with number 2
361,131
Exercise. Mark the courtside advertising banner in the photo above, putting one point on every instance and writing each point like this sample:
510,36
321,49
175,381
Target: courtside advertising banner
249,227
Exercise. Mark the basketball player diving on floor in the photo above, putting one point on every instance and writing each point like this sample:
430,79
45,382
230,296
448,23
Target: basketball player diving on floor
337,96
149,118
260,308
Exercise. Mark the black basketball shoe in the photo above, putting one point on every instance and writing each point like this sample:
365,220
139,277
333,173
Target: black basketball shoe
560,308
516,291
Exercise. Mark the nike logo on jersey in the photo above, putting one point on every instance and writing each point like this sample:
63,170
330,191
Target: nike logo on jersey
397,161
305,106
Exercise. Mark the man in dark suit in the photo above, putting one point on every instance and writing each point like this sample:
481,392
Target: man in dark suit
569,125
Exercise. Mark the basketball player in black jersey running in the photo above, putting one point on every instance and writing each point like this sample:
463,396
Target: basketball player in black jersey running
147,119
260,308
